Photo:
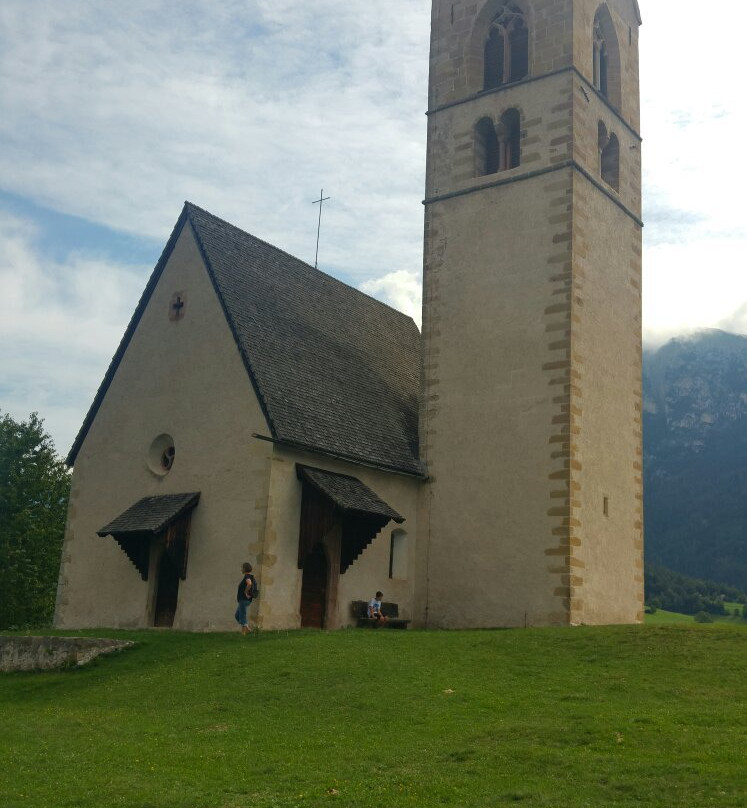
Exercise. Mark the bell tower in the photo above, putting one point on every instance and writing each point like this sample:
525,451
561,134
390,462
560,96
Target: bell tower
530,419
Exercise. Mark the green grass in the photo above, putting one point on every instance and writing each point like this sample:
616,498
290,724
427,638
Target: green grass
663,617
735,618
623,716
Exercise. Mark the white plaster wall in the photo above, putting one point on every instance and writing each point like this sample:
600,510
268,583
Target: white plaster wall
184,378
281,578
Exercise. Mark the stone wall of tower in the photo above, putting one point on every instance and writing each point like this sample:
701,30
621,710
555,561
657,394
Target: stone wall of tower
530,413
606,475
458,33
624,16
607,502
494,408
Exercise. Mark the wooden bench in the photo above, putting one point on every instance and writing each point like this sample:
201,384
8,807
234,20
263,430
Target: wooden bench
359,609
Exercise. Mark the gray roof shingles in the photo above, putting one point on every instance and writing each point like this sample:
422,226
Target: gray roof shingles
150,514
334,369
347,492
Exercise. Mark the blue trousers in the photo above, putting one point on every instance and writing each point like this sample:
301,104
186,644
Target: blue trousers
240,615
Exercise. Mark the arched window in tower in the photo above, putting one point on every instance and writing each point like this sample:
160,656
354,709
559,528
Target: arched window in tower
509,140
609,157
600,59
606,67
507,48
487,157
498,148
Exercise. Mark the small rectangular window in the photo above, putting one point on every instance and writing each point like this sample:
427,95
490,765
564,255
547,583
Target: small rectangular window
398,555
606,506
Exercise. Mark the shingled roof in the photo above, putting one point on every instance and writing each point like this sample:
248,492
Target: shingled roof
335,370
151,514
347,493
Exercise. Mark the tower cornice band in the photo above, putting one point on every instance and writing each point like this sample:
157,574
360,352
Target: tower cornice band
528,175
531,80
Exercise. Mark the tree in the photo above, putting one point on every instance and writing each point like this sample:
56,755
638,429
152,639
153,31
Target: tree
34,489
678,593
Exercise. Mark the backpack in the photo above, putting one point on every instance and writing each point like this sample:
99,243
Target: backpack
252,591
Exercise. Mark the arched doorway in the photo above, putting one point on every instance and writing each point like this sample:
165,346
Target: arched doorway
167,592
314,588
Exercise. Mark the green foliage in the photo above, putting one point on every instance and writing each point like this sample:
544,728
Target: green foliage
34,489
578,718
703,617
678,593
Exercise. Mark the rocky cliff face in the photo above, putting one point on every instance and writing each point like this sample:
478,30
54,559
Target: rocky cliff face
695,455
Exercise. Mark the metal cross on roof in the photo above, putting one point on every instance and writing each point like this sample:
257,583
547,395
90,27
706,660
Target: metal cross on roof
322,199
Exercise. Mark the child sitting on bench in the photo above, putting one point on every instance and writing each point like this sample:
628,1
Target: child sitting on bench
374,610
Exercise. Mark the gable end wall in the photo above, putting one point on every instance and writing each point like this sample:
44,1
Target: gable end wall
184,378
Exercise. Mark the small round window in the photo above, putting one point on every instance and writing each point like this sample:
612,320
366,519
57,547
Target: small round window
161,455
167,458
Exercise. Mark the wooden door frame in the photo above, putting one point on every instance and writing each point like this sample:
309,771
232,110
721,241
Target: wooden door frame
157,557
319,546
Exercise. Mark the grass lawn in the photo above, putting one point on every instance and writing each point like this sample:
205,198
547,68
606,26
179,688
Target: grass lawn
623,716
739,616
662,617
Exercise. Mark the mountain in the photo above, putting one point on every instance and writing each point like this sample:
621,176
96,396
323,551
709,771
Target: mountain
695,456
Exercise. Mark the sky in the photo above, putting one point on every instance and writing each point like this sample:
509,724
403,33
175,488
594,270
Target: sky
113,114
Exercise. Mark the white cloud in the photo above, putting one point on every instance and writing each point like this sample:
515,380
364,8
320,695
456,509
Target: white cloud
118,112
736,322
60,324
693,117
702,284
401,289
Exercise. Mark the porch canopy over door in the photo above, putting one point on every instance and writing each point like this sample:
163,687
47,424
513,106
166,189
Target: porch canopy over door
329,498
167,516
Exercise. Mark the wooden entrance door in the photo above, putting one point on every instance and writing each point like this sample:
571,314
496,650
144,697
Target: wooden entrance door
167,592
314,589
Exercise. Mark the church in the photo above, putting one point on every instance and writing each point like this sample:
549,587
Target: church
486,472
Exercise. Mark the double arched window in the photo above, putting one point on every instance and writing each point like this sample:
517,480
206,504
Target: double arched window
609,157
498,147
507,48
486,148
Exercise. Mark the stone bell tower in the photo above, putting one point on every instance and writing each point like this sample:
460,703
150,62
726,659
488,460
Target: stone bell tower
531,386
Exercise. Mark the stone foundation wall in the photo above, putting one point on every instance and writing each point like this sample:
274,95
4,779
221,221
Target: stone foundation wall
48,653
